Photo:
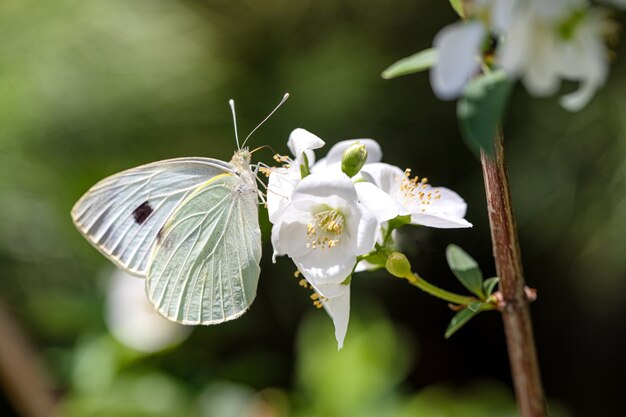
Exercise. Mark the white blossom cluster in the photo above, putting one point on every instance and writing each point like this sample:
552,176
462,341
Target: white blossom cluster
326,221
540,42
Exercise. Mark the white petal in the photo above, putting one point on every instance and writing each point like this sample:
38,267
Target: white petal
326,266
502,12
280,186
289,234
366,266
446,212
448,202
439,220
385,176
302,141
381,204
338,308
324,184
333,158
330,290
458,52
367,231
578,99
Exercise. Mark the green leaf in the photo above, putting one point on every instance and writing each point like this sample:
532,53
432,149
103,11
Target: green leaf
461,318
399,221
489,285
304,167
457,5
418,62
465,269
481,108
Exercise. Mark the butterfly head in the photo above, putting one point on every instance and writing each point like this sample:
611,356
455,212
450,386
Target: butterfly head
241,158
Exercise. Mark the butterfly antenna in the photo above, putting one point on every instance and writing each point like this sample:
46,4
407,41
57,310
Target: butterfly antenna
285,97
264,147
231,103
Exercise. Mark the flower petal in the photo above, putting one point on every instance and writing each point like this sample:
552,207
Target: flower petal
445,212
326,266
367,231
439,220
302,141
289,234
385,176
381,204
323,184
458,50
280,186
338,308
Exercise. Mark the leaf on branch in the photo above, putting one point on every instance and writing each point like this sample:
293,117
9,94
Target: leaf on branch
466,269
489,285
418,62
462,317
481,108
457,5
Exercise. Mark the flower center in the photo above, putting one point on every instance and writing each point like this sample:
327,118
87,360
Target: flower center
416,192
325,229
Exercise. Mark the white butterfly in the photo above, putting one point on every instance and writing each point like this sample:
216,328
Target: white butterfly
189,226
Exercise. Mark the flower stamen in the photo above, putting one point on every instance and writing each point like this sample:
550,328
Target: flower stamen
415,191
325,229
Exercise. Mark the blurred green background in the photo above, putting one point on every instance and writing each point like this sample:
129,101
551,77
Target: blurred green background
89,88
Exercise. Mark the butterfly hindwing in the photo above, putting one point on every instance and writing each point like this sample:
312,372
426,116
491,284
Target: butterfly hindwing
122,214
204,268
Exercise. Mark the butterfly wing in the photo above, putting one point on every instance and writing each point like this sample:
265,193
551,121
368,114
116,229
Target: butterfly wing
122,214
205,266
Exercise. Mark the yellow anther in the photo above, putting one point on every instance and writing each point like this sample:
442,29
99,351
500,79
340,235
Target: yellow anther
265,171
325,229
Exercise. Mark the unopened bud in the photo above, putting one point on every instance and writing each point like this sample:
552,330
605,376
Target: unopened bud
398,265
353,159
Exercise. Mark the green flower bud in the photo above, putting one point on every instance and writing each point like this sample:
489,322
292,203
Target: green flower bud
353,159
398,265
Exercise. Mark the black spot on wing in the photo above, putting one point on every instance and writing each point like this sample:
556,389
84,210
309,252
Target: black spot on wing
142,212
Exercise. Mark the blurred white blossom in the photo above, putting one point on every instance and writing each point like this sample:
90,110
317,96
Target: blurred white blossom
458,48
550,41
133,321
539,42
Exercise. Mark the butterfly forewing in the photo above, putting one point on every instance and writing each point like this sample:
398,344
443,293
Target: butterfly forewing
205,266
122,214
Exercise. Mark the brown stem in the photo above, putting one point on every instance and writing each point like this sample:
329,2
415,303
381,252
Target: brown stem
515,311
21,374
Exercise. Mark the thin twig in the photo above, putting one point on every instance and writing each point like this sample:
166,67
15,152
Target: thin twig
515,311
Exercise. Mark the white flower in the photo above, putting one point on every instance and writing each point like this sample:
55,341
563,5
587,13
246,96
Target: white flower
323,229
283,180
332,160
550,41
458,48
585,58
133,321
428,206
